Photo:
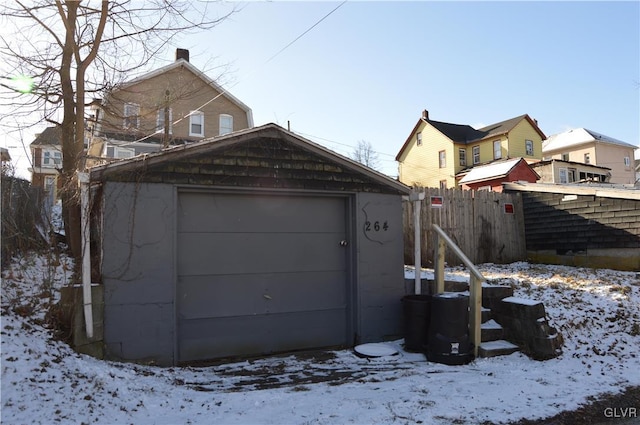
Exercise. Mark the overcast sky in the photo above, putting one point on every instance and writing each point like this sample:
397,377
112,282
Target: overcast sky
368,69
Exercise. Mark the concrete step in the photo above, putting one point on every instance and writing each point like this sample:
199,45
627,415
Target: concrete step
491,331
492,294
496,348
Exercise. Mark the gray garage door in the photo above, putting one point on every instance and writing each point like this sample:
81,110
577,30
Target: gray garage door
260,274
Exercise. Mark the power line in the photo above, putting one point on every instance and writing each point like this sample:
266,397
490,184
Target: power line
247,75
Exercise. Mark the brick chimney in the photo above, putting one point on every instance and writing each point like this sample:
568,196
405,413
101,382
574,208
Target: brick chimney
425,115
182,54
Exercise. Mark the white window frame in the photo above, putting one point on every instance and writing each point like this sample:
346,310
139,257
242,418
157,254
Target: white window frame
563,175
49,182
131,115
442,159
462,155
572,175
497,149
160,121
51,158
587,158
476,154
225,127
419,138
627,161
528,147
192,122
119,152
565,157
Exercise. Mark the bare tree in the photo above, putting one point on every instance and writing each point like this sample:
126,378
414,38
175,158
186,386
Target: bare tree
364,154
73,49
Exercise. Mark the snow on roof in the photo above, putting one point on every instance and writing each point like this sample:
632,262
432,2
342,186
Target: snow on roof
490,171
578,136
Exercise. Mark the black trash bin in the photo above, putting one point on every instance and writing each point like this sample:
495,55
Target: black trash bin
449,341
416,322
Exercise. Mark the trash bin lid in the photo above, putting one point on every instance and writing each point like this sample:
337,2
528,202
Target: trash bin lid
375,350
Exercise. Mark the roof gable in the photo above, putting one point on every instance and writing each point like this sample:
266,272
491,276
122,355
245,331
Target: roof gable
199,74
267,156
50,136
504,127
465,134
579,136
458,133
495,170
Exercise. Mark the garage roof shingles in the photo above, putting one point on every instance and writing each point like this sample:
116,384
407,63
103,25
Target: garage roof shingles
267,159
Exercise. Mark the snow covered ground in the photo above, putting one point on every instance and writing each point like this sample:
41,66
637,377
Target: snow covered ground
597,311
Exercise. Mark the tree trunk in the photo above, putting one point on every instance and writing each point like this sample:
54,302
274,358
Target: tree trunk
70,193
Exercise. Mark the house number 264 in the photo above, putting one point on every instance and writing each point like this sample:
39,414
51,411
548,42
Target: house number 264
376,226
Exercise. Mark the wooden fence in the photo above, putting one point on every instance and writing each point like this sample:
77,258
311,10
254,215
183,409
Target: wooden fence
487,226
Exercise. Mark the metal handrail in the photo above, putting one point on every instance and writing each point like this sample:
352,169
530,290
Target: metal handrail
475,283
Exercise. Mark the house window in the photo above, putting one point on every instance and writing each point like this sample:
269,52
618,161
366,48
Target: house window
131,115
118,152
226,124
562,173
160,120
49,183
51,159
419,138
442,159
571,174
443,184
528,145
565,156
476,155
497,150
196,124
627,161
463,156
587,158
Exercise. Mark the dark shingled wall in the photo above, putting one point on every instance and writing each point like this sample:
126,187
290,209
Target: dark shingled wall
588,222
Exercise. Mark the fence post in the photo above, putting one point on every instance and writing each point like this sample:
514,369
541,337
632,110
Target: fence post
417,198
475,306
439,264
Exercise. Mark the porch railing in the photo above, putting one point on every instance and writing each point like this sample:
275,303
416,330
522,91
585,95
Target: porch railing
475,283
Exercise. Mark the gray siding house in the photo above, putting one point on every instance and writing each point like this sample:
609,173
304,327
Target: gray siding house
253,243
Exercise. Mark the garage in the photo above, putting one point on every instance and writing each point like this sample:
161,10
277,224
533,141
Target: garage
249,244
260,273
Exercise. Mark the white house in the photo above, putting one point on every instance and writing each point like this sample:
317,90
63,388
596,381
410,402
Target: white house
589,147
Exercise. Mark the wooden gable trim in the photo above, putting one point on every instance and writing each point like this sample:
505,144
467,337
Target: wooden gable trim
409,139
257,166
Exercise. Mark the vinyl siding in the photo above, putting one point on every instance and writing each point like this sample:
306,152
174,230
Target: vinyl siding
486,151
612,156
576,153
516,144
187,91
419,165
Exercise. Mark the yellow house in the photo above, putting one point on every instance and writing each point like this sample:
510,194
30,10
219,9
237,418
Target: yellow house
439,154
